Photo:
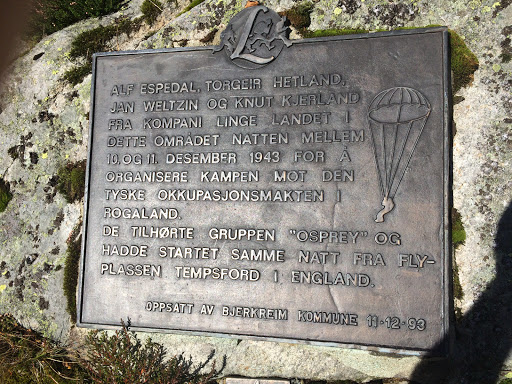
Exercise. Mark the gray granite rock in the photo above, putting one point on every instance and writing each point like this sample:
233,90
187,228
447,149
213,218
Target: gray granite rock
45,120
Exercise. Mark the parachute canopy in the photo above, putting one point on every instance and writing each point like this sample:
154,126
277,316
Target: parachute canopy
398,105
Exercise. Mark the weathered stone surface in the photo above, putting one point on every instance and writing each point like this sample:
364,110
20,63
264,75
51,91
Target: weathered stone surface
44,124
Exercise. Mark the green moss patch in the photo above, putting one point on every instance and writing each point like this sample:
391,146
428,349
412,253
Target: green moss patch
75,75
96,40
151,9
71,268
71,181
300,15
464,63
5,194
333,32
458,232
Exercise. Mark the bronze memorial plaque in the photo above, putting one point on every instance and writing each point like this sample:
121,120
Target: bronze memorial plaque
290,190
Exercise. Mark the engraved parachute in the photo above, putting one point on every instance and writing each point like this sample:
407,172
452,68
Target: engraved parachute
396,119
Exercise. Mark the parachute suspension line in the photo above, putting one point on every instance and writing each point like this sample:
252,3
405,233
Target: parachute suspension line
378,99
381,95
393,95
392,171
387,203
413,148
385,162
409,127
390,176
399,112
375,159
389,165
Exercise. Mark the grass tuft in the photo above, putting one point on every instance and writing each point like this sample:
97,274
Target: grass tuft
50,16
151,9
28,357
123,358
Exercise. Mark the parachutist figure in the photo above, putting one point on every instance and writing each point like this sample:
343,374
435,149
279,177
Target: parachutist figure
396,118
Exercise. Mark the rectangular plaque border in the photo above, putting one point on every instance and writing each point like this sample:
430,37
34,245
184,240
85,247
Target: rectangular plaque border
449,315
445,346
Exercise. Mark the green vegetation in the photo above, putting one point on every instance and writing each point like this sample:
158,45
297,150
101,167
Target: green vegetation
458,238
71,268
151,9
300,15
122,358
458,232
96,40
458,293
463,62
332,32
75,75
506,381
193,4
5,195
71,181
52,15
28,357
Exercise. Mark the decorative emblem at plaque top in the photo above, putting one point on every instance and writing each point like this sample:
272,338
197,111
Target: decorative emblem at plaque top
396,118
254,37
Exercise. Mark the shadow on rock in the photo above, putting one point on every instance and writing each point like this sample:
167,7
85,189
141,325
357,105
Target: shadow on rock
483,336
